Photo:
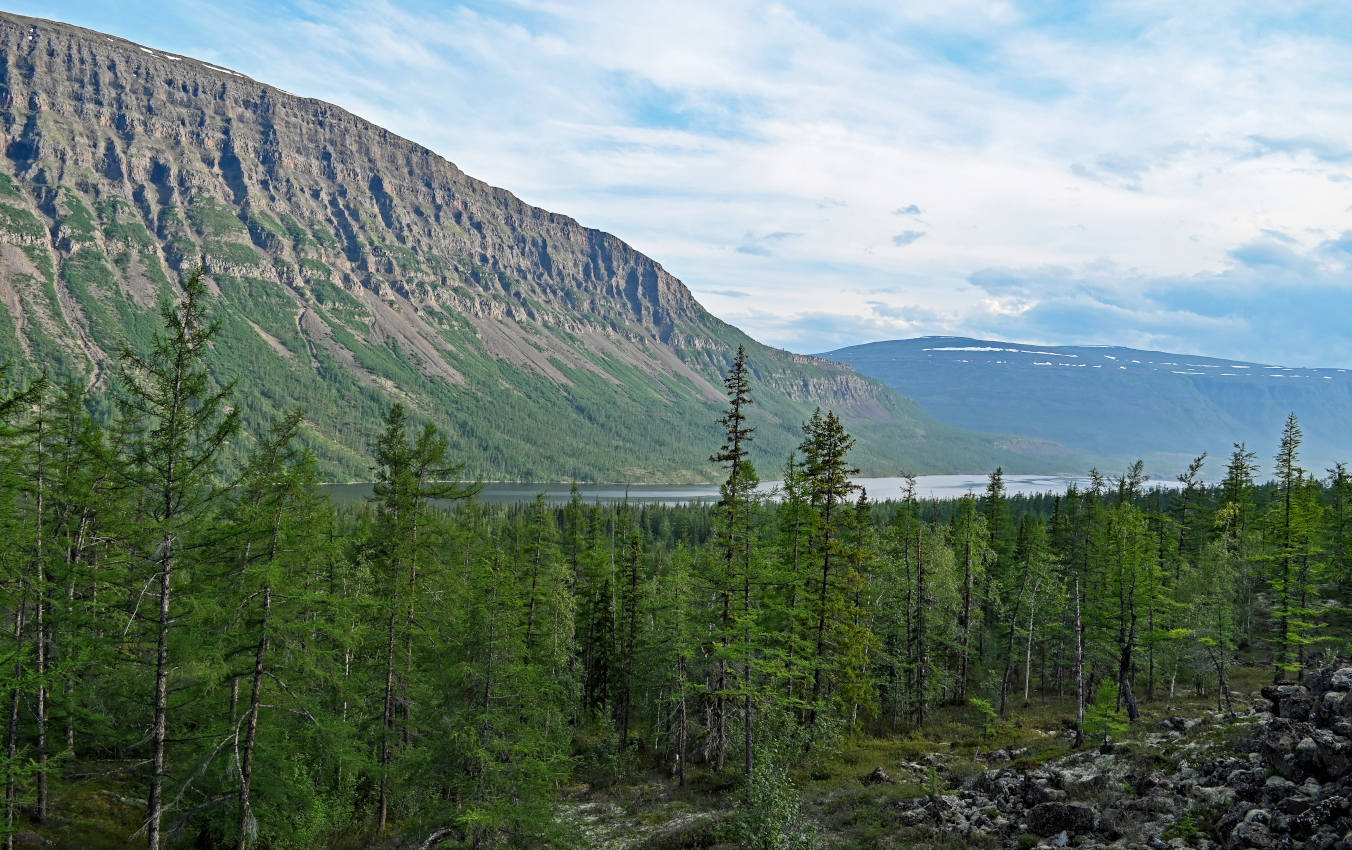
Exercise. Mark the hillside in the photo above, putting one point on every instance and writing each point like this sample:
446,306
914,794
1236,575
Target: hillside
353,268
1118,403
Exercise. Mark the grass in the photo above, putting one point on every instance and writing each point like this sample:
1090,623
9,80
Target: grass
315,267
122,225
77,219
96,811
214,218
266,222
21,222
234,253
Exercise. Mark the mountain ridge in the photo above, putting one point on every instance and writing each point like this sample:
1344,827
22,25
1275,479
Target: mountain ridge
352,268
1116,402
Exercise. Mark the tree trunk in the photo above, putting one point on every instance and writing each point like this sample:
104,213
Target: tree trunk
966,620
159,723
1028,653
1079,668
251,729
387,718
921,651
747,738
682,730
1124,670
12,736
1009,650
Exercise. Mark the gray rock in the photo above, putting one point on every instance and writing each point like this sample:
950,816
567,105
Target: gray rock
1051,818
878,777
1250,834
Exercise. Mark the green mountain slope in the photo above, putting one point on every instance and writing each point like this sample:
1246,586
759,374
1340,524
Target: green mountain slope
354,268
1117,403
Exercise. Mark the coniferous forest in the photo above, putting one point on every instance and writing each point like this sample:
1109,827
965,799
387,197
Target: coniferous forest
225,659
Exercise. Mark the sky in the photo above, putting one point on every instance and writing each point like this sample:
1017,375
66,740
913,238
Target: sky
1148,173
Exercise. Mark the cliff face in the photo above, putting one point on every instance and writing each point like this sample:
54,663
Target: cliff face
354,267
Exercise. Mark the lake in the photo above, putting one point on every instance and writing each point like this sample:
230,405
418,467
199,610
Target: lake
879,489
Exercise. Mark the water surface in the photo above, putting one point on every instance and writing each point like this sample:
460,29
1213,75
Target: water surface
879,489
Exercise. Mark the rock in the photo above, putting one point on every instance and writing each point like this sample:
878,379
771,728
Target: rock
1214,797
1335,705
878,777
1289,700
1341,679
913,817
1250,834
1318,815
1051,818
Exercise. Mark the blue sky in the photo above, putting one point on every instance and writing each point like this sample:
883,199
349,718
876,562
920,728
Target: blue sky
1145,173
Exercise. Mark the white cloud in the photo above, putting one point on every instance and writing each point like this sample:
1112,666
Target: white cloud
1137,142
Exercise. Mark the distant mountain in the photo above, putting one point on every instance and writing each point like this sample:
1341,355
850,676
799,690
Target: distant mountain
354,268
1118,403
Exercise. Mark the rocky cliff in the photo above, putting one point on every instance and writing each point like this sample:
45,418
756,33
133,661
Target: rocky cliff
353,268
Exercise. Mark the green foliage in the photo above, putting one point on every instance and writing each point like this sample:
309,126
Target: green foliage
233,253
9,188
21,222
988,717
261,219
1103,718
771,816
121,225
41,259
315,267
213,218
77,218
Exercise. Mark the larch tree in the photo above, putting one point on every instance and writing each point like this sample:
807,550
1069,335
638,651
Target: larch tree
184,422
410,474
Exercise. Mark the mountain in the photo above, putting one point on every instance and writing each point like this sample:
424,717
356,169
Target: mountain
1118,403
352,268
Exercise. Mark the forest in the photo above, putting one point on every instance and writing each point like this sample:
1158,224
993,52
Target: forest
245,665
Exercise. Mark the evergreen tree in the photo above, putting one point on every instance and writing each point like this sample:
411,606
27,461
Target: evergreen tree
16,524
733,530
828,486
971,537
278,522
1291,576
410,474
184,425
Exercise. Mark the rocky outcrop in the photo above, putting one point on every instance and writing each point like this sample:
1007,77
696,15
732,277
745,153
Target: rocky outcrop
1287,783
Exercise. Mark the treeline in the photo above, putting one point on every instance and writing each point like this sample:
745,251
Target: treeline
273,672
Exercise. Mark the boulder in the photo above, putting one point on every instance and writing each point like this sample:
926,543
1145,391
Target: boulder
1289,700
1251,835
1050,818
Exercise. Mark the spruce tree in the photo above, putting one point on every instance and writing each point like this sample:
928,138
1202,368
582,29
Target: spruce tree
733,530
828,486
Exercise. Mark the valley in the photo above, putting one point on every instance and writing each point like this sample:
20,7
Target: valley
1114,403
259,356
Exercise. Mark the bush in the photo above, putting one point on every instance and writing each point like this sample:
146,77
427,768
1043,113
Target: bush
989,717
771,818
